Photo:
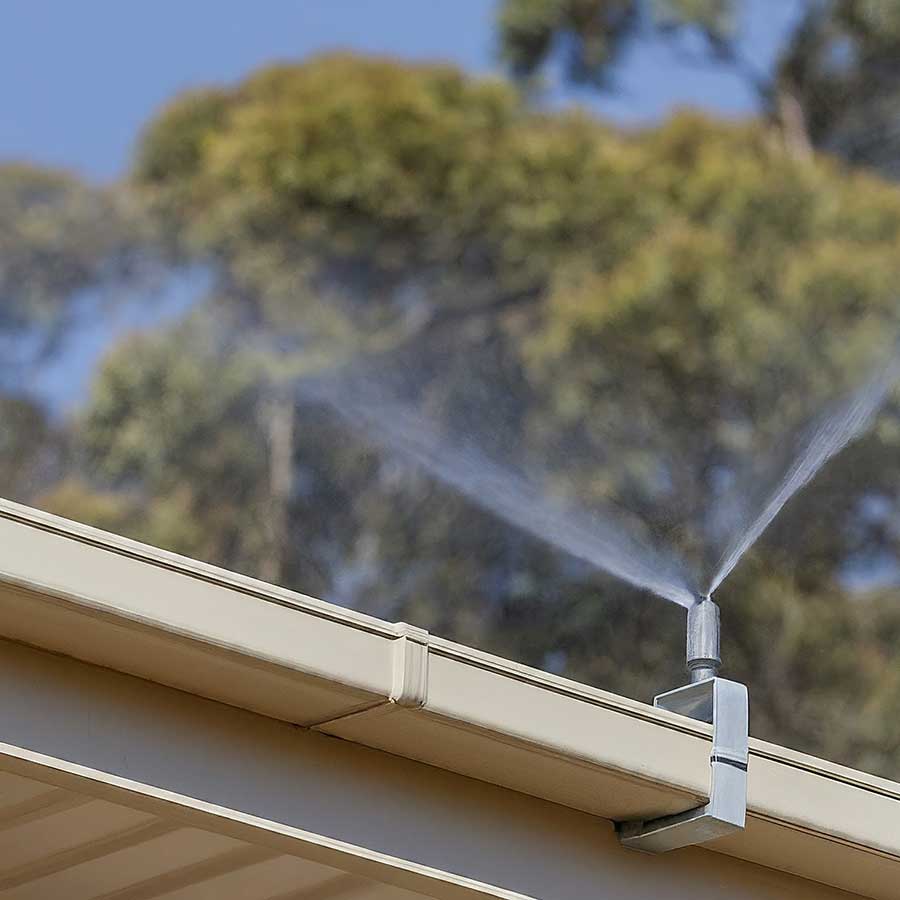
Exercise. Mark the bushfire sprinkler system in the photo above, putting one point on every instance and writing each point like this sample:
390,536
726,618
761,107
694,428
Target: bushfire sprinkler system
724,705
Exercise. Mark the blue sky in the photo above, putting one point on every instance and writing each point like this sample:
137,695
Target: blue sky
78,79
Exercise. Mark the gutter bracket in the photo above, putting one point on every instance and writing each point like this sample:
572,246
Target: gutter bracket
724,704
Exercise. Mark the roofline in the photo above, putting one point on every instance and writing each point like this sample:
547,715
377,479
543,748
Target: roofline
147,612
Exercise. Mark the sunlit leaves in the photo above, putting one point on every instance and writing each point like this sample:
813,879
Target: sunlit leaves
651,317
58,237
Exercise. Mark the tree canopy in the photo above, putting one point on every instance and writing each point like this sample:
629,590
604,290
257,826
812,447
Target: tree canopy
59,237
642,324
835,84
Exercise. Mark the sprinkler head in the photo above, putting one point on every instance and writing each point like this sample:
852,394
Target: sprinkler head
703,660
723,704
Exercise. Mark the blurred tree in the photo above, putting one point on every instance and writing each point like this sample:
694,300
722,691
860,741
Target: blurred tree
367,195
648,317
175,449
589,37
31,448
173,427
59,238
840,76
835,84
61,242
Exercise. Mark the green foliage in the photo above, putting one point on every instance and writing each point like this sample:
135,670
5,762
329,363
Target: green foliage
364,196
74,497
760,294
58,237
716,16
28,447
379,146
589,37
592,34
644,315
177,428
171,426
61,242
835,83
840,67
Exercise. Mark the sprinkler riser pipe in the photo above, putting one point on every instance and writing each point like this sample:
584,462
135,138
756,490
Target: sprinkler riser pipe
703,659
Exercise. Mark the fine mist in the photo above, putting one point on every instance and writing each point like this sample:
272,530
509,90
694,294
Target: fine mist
846,422
600,537
514,497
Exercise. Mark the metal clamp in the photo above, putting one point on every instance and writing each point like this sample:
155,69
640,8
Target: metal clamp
724,704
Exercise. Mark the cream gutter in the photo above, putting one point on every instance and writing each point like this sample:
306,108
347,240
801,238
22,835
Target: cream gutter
111,602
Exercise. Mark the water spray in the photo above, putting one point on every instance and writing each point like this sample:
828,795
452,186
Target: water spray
605,541
722,704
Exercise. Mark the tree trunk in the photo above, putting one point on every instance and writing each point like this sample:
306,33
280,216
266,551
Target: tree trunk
280,415
792,122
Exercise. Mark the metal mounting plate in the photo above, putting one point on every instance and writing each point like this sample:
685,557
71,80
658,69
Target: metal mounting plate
724,704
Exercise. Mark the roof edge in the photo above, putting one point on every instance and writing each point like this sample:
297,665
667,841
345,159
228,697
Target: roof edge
128,606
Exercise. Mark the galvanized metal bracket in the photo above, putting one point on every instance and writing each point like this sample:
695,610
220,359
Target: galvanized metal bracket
724,704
